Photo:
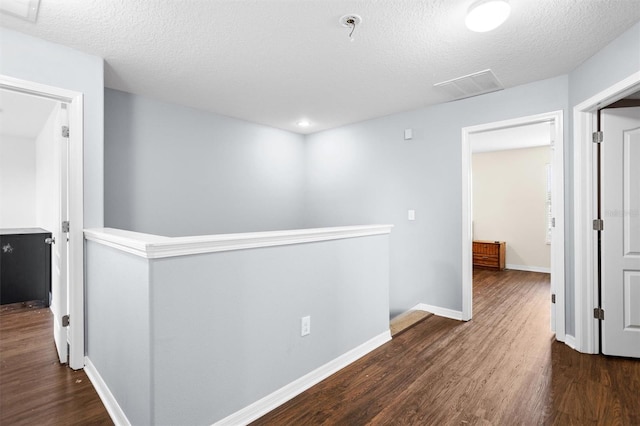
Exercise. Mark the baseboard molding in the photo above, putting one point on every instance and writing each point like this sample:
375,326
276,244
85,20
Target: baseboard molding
284,394
570,341
109,401
529,268
441,312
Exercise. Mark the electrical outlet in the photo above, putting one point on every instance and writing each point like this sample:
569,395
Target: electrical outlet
305,326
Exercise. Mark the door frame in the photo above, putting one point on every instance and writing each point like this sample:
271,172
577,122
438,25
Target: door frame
558,201
75,272
584,206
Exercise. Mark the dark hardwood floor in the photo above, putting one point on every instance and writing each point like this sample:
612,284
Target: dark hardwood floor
35,389
502,368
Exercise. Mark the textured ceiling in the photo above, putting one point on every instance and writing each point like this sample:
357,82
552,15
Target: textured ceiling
277,61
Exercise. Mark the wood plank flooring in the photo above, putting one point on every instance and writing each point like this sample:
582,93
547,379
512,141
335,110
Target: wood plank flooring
406,320
35,389
502,368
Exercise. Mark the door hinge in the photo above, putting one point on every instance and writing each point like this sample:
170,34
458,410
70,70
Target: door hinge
553,222
65,131
598,313
598,224
553,298
65,321
597,137
65,226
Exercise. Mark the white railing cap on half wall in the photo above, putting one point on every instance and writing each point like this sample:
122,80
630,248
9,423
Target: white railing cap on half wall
155,246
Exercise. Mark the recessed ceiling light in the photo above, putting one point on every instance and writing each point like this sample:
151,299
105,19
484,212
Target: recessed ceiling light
304,123
486,15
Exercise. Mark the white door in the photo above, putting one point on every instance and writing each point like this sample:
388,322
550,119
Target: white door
621,234
59,282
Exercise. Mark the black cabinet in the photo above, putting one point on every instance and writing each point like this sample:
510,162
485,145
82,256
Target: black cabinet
25,265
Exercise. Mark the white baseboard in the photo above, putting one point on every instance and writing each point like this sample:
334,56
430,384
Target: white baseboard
529,268
284,394
570,341
441,312
109,401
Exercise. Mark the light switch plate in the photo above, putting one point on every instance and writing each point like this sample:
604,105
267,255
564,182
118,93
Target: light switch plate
408,134
305,325
411,215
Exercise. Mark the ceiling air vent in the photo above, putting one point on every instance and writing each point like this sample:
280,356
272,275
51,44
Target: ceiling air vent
471,85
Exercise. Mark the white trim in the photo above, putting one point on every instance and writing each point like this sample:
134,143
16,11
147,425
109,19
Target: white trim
557,260
113,408
441,312
467,228
284,394
75,197
542,269
155,246
36,89
76,240
586,286
569,341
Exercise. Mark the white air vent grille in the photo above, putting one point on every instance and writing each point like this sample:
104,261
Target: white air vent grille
471,85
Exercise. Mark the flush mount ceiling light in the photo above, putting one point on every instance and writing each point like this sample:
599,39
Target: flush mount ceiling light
486,15
25,9
304,123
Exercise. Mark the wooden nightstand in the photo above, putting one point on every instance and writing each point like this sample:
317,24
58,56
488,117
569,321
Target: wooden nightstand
489,254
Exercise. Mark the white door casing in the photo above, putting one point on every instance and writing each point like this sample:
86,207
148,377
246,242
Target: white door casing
620,174
554,231
586,334
59,305
75,249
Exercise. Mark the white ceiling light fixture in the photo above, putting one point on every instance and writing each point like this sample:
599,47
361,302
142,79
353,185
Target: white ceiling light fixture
25,9
487,15
304,123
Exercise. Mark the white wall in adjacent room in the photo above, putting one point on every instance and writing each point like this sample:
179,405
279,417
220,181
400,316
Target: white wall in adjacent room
47,170
509,203
17,182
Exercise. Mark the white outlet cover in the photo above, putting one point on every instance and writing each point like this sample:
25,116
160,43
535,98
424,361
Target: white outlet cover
411,215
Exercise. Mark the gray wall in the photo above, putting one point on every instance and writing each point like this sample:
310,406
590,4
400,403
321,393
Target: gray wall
33,59
618,60
226,326
173,170
193,339
118,327
367,173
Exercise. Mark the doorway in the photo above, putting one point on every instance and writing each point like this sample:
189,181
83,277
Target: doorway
554,121
587,333
619,200
69,300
